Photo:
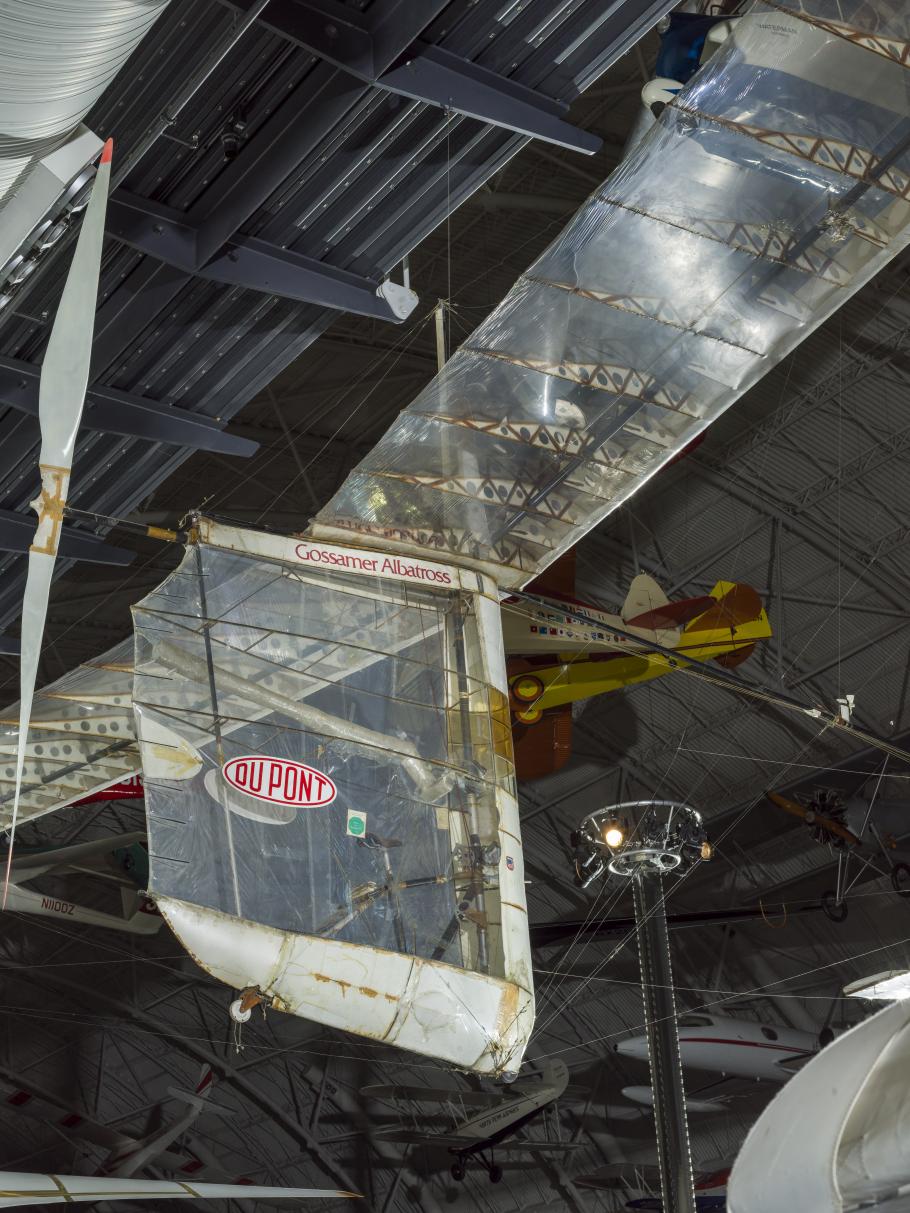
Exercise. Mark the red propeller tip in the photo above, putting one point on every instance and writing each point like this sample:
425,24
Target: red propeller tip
107,152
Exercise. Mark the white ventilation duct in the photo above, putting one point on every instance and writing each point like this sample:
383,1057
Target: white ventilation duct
56,59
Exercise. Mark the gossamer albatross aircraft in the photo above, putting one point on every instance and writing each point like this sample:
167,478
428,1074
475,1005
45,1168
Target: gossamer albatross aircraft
264,747
494,1127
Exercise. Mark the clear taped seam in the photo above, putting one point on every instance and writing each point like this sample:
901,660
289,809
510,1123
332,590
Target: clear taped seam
835,155
889,48
758,240
609,377
660,311
564,441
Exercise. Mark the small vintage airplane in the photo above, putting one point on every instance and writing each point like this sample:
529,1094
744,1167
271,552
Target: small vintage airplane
555,660
740,1048
504,1113
126,1154
118,859
854,829
631,1177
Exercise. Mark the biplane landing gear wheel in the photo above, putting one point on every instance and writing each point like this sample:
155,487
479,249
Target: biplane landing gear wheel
458,1170
495,1173
837,913
900,878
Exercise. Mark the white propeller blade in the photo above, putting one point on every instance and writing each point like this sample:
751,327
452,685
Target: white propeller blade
64,379
17,1189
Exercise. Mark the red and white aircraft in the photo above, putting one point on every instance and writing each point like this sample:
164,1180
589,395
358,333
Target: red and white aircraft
734,1047
629,1178
126,1154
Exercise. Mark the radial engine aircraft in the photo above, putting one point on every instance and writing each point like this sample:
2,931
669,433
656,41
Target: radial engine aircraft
734,1047
503,1115
555,659
105,859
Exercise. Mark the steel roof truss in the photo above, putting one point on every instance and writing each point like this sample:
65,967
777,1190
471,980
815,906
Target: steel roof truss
114,412
381,48
17,533
245,261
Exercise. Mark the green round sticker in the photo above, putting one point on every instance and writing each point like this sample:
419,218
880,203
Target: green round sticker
356,826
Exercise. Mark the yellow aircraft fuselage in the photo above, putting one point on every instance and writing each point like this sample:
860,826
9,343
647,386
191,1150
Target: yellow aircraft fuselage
588,662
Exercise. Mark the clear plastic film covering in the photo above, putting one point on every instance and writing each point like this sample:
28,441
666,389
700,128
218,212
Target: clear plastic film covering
774,186
327,759
81,737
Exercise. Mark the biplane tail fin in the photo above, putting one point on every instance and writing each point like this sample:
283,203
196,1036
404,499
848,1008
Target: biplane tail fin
644,596
735,604
140,915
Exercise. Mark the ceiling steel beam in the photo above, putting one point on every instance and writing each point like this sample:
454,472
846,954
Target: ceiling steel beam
114,412
17,532
166,234
276,150
858,562
381,48
852,369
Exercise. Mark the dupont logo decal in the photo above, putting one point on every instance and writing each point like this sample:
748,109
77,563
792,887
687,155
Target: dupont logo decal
279,781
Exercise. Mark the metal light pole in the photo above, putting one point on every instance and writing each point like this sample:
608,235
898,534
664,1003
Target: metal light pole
642,841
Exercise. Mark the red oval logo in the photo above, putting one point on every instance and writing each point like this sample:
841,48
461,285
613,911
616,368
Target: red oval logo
279,781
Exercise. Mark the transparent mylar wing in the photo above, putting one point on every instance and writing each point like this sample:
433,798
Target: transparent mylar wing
773,187
81,738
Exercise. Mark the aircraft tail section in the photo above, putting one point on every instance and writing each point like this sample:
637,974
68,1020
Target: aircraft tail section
734,604
140,917
198,1099
556,1075
644,596
132,1156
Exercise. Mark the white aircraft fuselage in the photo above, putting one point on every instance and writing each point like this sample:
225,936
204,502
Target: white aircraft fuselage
739,1047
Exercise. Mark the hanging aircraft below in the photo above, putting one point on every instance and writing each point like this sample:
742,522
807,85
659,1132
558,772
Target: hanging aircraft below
105,859
493,1128
733,1047
866,831
555,660
125,1154
631,1177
